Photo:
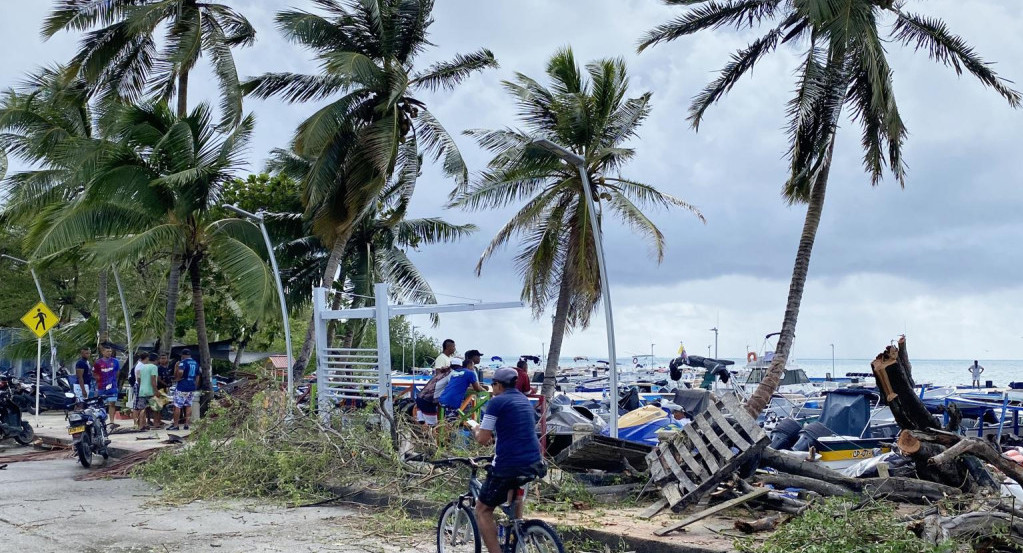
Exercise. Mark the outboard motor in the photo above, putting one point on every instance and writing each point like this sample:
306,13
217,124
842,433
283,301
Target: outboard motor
785,434
809,433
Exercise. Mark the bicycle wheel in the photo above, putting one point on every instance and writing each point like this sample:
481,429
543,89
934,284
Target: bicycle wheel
457,531
539,537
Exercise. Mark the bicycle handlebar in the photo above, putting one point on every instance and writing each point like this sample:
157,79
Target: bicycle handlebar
473,462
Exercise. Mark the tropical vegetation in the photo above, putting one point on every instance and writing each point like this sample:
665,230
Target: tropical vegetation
591,114
845,66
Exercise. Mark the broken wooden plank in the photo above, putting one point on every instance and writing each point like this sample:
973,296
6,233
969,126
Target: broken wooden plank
652,510
719,418
687,458
701,446
712,438
603,453
677,471
711,511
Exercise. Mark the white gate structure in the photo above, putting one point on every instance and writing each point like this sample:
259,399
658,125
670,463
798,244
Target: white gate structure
364,375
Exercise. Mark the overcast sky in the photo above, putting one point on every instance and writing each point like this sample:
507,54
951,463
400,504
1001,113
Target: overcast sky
940,259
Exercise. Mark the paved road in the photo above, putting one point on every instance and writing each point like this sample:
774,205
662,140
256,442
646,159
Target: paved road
43,509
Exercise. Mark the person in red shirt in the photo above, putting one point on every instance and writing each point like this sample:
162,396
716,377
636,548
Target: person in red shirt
522,384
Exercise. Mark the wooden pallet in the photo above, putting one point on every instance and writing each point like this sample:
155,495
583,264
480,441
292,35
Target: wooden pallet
698,458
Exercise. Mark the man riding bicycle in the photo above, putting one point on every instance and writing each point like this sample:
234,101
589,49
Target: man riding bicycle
510,418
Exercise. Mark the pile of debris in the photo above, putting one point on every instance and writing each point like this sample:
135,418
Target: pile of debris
723,459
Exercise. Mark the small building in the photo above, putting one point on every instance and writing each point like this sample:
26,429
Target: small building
277,365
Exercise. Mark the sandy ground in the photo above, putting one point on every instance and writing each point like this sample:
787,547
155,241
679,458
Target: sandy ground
43,509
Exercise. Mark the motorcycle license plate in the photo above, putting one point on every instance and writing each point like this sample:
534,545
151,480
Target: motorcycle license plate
75,429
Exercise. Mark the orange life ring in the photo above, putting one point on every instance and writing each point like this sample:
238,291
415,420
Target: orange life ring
751,357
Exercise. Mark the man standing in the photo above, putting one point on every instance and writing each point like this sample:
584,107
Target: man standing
523,384
443,360
510,420
166,373
975,371
459,382
105,372
83,375
146,377
187,375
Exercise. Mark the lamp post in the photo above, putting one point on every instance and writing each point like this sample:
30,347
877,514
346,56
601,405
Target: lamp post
413,349
258,216
42,298
832,360
652,355
579,163
715,331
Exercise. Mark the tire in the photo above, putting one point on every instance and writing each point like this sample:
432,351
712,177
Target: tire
27,434
539,537
457,531
84,450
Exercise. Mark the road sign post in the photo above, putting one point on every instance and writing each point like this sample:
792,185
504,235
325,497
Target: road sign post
40,320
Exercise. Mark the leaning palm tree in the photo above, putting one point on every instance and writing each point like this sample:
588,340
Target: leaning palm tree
156,191
845,64
557,258
123,58
375,127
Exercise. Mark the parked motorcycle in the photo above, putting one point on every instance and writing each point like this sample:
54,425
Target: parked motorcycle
87,426
11,423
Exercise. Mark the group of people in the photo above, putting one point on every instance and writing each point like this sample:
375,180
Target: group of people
153,374
453,378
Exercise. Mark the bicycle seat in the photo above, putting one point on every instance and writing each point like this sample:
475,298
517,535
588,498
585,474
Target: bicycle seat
520,481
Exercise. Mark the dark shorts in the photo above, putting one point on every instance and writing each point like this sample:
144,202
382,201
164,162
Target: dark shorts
496,486
426,407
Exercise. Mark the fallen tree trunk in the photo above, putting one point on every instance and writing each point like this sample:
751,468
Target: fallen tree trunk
760,525
970,446
970,527
786,480
896,488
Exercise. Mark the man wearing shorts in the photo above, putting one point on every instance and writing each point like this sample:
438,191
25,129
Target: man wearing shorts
510,420
83,375
104,372
145,378
187,375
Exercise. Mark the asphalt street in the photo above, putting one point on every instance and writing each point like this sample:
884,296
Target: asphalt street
42,508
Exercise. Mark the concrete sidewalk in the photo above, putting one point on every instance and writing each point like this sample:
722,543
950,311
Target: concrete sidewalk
52,427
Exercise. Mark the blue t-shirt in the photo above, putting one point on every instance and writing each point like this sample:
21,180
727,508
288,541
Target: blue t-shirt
189,370
514,426
454,392
83,365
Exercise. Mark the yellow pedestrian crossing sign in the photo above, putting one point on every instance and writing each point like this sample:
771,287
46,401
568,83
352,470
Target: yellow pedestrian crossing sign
40,319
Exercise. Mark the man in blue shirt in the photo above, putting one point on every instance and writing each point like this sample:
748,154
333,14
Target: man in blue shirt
83,375
511,420
187,374
454,393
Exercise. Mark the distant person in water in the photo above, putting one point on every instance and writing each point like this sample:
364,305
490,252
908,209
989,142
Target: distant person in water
975,370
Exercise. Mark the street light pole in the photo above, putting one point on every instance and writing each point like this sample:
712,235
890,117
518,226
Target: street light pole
280,292
652,355
832,360
715,330
413,350
572,158
42,298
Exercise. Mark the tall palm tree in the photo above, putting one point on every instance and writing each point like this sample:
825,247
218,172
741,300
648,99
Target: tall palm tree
845,65
590,114
375,127
120,60
155,192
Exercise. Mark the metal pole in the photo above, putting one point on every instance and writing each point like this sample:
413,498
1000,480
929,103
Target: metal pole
652,355
42,298
832,359
606,293
280,293
413,349
39,371
127,318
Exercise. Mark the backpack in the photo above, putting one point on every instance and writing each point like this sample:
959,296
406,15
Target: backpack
429,391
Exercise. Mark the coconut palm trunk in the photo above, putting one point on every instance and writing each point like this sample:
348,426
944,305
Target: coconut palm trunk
104,320
550,373
183,94
333,262
171,313
205,362
761,397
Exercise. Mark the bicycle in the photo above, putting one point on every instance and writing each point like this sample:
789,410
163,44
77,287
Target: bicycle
457,530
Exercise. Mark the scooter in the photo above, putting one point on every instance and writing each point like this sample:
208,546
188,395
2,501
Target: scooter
87,426
11,424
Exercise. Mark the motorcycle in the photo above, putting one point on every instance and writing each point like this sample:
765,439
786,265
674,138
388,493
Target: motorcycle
11,424
87,427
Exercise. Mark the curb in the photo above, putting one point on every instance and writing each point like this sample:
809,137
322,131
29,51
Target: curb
428,510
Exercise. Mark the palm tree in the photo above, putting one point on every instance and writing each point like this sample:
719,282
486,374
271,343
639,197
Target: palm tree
845,65
375,128
120,61
593,118
155,192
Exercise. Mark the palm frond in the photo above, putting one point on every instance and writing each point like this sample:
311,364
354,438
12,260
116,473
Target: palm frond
437,142
712,15
449,74
742,62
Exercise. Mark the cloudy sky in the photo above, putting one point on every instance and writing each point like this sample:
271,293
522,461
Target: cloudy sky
940,260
